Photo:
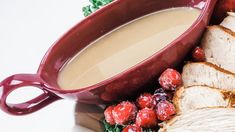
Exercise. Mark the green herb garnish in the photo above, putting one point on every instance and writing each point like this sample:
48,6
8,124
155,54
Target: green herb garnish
95,5
119,128
148,130
110,128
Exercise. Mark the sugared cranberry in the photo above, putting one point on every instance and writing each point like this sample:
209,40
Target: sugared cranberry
165,110
124,113
170,79
198,54
109,115
146,118
159,95
132,128
145,101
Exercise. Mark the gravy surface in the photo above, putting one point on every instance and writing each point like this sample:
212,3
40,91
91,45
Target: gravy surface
125,47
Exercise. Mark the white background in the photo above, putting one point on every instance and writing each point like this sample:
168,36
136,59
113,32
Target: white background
27,30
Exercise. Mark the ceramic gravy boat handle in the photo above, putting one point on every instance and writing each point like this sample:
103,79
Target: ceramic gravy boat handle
19,81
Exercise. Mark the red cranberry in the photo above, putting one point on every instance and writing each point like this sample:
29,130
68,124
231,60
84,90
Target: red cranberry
145,101
132,128
198,54
146,118
109,115
124,113
165,110
170,79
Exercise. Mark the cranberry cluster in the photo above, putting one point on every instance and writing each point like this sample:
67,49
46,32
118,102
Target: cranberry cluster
148,109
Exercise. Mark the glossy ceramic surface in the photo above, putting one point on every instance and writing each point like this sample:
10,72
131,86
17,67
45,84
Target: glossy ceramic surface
120,86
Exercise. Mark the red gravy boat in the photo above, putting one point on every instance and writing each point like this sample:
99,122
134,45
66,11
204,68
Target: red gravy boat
115,88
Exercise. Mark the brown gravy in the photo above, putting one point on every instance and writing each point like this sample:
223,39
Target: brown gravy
125,47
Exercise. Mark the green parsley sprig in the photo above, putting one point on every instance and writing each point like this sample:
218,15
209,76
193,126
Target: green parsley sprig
119,128
95,5
110,128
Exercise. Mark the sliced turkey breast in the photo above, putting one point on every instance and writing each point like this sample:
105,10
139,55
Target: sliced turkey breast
229,21
218,44
194,97
207,74
202,120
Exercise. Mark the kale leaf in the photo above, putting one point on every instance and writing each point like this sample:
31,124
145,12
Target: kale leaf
112,128
119,128
95,5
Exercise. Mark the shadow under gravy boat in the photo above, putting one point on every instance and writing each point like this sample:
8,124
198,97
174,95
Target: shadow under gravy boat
117,87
